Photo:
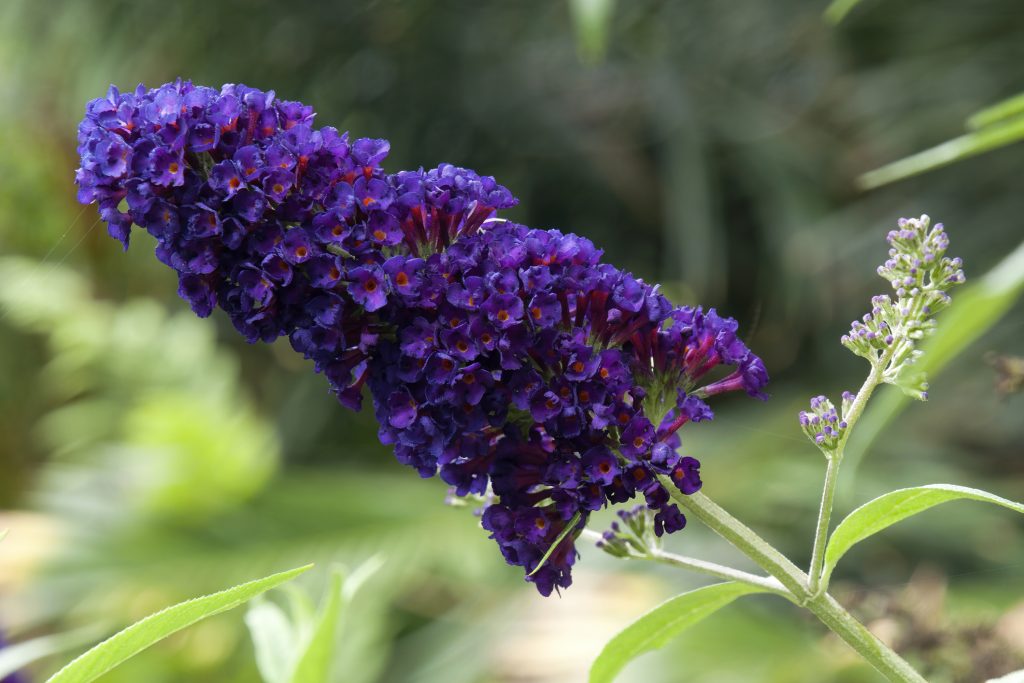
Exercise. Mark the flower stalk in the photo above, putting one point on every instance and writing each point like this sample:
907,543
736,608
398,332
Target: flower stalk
826,608
835,459
719,571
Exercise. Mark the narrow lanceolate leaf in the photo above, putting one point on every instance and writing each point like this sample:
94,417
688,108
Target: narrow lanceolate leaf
592,20
156,627
663,623
360,576
886,510
3,534
273,640
997,113
558,540
986,139
314,665
838,10
18,656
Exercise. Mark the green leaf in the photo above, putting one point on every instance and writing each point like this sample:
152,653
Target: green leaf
838,10
592,20
300,605
997,113
156,627
18,656
273,640
973,143
315,662
561,537
976,308
3,533
360,576
663,623
884,511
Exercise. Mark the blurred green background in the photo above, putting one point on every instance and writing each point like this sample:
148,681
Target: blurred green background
147,456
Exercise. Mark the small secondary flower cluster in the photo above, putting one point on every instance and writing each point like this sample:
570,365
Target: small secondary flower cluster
510,361
822,423
920,275
632,537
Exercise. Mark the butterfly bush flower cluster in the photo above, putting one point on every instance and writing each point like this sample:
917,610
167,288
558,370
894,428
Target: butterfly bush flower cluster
920,275
509,361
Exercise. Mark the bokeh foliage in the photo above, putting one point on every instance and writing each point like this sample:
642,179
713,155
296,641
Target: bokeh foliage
712,146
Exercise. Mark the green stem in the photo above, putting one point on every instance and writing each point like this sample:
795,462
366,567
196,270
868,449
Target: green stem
823,606
860,401
828,495
720,571
741,536
857,636
835,458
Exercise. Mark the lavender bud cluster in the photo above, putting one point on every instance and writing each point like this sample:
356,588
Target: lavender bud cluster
633,537
508,361
822,423
920,275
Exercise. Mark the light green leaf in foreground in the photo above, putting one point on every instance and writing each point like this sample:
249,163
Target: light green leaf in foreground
273,640
18,656
142,634
884,511
315,663
663,623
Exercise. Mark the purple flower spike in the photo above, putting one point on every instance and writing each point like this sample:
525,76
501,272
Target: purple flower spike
511,362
